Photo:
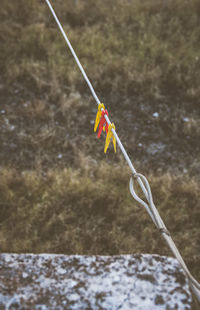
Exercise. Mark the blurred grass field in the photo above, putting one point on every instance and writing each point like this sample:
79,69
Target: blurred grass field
59,192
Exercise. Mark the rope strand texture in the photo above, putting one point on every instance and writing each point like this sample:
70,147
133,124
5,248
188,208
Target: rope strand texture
142,181
153,212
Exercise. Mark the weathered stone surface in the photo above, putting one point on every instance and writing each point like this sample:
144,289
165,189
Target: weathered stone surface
46,281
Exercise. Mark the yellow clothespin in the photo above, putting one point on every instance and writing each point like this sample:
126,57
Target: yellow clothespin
109,137
98,116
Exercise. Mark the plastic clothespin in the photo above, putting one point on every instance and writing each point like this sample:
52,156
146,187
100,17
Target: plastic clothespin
103,123
109,137
98,116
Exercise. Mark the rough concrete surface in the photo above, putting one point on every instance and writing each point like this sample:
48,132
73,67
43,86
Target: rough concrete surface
49,281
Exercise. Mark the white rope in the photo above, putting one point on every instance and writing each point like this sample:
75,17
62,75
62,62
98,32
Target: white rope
151,209
73,52
142,181
92,90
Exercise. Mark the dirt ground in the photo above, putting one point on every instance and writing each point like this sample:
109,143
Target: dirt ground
36,131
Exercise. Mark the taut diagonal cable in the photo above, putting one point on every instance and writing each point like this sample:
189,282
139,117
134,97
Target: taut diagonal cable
142,181
73,52
93,92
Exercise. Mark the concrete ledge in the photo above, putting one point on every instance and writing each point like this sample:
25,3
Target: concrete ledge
48,281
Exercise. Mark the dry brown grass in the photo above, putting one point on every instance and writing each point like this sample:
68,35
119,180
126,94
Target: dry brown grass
90,211
57,193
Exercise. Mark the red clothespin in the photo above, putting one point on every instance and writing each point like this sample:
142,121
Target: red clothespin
103,123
